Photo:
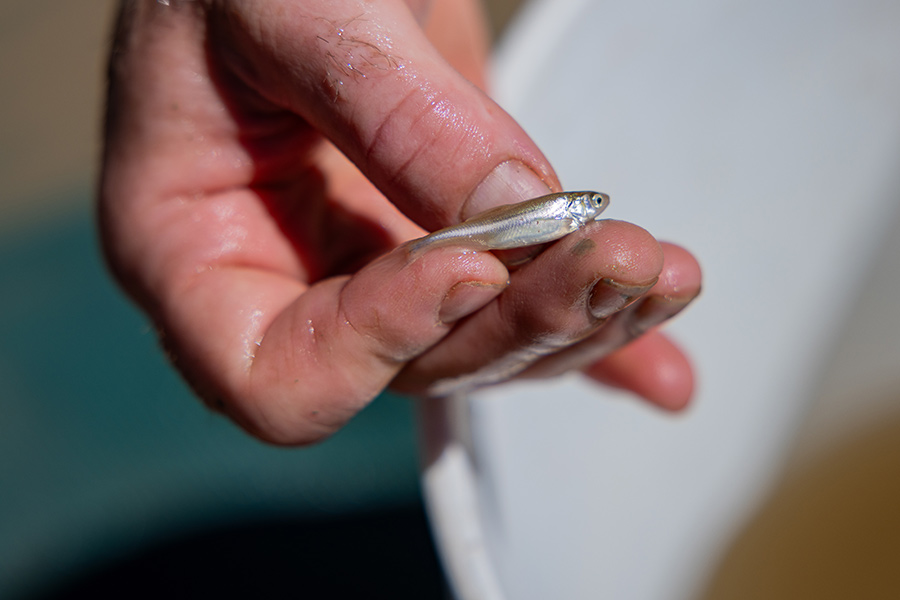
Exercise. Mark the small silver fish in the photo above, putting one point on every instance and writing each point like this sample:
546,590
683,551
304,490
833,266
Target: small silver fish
534,221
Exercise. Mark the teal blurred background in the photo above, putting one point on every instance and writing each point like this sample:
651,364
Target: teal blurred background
104,450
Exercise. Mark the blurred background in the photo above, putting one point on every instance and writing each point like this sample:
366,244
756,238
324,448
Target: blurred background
115,481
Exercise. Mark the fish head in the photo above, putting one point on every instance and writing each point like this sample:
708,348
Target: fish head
587,206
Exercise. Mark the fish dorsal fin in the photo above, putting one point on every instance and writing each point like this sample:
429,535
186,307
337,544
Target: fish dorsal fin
490,213
506,210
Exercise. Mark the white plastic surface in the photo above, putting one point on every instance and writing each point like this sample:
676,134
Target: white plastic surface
764,136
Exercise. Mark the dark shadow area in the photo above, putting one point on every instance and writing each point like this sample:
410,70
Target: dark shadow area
384,554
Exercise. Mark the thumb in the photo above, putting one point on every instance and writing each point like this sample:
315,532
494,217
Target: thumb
367,77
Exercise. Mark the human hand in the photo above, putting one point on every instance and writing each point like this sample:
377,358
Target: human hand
266,161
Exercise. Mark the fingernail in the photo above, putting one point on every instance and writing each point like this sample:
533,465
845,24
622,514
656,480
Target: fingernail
509,182
609,296
466,297
656,310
